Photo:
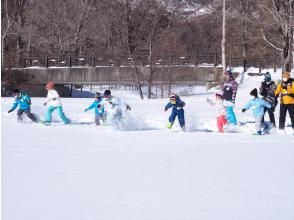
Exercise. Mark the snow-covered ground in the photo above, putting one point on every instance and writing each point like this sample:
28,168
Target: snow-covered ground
84,172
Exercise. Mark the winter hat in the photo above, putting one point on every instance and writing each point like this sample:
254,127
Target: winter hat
254,92
229,73
16,91
173,96
267,77
219,94
97,95
50,85
107,92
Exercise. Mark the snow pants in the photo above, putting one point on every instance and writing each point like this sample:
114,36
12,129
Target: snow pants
181,117
271,116
60,112
258,123
283,112
97,119
28,113
221,121
231,117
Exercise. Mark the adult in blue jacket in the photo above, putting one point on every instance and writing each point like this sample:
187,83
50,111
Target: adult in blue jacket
99,109
24,102
177,110
258,106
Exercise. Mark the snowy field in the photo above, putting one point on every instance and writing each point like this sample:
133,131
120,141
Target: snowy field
144,171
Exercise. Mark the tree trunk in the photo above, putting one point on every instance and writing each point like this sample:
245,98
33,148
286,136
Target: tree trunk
151,69
245,34
138,82
224,38
19,40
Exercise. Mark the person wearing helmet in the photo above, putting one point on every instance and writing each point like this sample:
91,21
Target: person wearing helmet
220,111
267,91
286,90
24,102
53,102
177,106
113,108
98,109
229,90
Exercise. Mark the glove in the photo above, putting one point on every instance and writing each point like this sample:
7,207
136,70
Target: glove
277,96
45,103
54,99
243,110
85,110
128,107
99,106
165,109
10,111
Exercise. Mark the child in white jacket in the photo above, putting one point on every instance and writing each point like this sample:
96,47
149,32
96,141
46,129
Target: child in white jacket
53,102
220,110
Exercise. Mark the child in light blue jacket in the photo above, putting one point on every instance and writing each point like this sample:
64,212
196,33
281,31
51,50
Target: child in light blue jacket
99,109
24,102
257,105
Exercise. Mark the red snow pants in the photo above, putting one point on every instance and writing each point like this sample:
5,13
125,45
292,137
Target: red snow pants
221,121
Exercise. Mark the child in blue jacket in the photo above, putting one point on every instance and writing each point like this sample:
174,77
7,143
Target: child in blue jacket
24,102
177,110
99,110
258,105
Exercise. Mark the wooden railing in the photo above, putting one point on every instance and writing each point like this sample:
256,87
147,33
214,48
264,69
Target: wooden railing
208,59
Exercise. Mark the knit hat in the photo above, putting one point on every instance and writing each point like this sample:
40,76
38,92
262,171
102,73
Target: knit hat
267,77
229,73
16,91
107,92
50,85
254,92
97,95
219,94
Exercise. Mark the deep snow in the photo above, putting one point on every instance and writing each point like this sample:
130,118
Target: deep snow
83,172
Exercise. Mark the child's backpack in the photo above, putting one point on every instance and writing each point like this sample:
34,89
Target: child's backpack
228,93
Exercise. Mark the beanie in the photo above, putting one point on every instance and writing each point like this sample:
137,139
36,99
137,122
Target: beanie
254,92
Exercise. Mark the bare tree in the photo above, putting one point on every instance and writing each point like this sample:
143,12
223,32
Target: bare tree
278,15
224,37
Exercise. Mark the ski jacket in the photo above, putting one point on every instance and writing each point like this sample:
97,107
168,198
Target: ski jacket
178,106
53,98
230,88
268,92
257,106
218,104
113,105
23,100
98,111
286,89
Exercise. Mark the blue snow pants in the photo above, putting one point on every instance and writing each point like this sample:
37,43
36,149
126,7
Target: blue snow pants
60,112
180,114
231,117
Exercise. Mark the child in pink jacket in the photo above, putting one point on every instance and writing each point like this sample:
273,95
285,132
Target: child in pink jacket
220,110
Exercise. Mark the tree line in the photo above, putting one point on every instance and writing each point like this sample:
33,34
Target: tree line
254,28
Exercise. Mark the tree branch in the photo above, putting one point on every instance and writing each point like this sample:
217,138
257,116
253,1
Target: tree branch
268,42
